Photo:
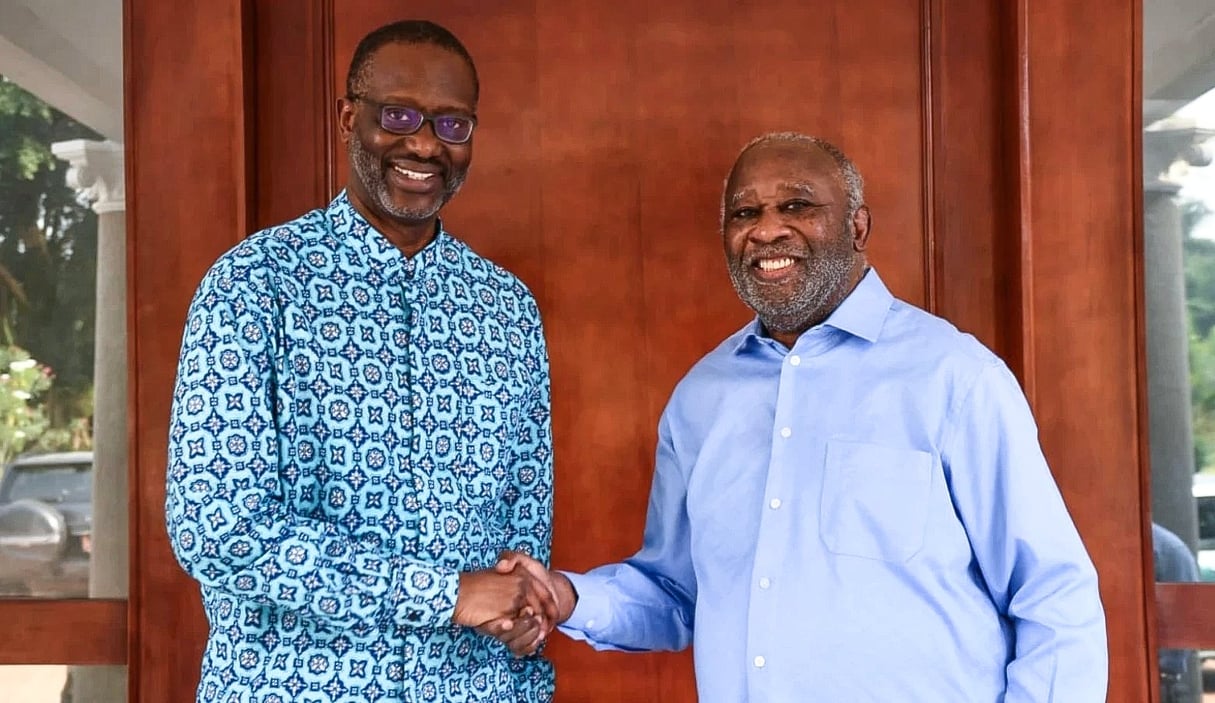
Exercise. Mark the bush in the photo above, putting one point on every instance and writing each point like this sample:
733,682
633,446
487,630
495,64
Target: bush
22,421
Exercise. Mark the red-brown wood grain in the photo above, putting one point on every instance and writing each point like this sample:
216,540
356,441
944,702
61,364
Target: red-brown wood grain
965,209
604,140
188,188
1077,185
1185,615
293,138
63,632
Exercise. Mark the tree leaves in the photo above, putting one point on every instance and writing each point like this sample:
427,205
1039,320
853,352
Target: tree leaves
48,252
1200,308
22,421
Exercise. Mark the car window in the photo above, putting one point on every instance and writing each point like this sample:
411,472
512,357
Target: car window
66,483
1206,519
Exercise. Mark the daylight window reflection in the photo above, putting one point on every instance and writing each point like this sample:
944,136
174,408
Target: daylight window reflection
1179,265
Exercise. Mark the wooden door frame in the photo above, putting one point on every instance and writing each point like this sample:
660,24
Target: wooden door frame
77,631
189,153
1075,189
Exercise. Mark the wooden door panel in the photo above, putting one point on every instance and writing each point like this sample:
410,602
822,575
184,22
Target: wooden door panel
1081,293
188,190
92,631
605,135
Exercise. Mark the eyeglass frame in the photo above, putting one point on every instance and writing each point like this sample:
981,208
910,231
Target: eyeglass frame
426,117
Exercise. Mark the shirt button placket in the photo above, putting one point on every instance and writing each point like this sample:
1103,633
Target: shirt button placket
408,313
772,526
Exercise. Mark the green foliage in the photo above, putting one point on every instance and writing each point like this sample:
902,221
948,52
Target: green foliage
48,256
22,381
1202,390
1200,284
1200,305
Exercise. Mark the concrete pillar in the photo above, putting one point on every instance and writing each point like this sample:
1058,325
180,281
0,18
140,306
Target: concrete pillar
1171,438
97,171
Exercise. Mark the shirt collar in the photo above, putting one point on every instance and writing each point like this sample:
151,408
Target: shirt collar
862,314
345,219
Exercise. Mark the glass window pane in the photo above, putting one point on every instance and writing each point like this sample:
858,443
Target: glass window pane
1179,272
63,454
63,497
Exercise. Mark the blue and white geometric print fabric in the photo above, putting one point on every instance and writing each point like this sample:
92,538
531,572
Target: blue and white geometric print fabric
350,430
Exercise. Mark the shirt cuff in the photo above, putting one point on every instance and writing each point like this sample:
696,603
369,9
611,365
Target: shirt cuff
422,595
593,613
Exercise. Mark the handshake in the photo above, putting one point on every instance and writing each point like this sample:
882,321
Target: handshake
518,602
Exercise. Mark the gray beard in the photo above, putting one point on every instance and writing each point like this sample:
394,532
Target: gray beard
367,170
824,278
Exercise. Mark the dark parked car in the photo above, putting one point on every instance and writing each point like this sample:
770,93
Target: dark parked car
1204,500
46,519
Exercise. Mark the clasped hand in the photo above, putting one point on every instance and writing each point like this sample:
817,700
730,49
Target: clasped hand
518,602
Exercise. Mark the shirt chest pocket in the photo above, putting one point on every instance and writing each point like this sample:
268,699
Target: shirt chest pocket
875,500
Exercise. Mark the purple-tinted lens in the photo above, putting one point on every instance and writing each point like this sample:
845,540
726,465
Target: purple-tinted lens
452,128
400,119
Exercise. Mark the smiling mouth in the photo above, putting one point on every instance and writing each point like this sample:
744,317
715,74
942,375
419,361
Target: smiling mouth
414,175
774,265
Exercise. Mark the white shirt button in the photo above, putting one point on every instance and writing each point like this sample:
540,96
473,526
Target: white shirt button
590,624
764,583
786,432
795,360
774,503
759,662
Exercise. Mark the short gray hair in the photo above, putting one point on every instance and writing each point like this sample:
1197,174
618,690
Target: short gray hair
854,184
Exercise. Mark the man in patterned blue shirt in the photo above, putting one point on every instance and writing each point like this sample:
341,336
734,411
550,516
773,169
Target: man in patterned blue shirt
849,499
360,424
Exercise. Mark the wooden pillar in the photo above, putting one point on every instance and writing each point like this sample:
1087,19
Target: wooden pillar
187,83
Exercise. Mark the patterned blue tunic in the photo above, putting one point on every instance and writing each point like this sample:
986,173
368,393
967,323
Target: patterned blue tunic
350,430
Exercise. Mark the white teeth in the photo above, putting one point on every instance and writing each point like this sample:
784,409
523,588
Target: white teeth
413,175
775,264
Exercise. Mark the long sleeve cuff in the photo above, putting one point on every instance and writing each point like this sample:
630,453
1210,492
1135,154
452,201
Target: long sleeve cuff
422,594
592,614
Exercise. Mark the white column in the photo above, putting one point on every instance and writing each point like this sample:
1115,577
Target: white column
97,172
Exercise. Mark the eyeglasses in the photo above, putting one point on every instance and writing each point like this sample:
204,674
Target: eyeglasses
399,119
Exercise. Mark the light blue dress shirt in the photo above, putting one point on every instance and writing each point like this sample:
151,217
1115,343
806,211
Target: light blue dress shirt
865,517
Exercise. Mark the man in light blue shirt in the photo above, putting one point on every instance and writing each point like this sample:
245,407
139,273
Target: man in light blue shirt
849,500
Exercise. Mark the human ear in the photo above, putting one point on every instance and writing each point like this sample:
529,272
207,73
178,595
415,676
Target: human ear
345,118
862,222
